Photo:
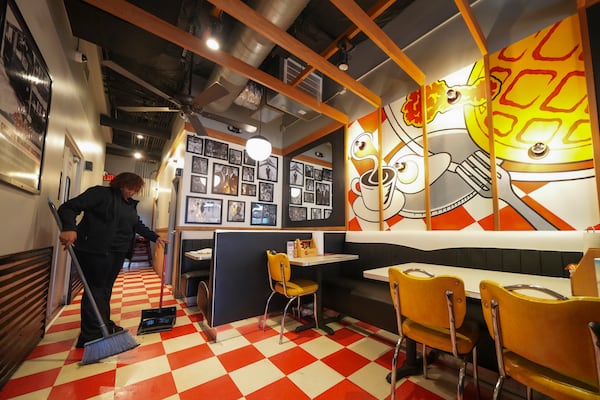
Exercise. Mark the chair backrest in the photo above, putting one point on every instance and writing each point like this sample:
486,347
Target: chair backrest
279,266
423,298
553,333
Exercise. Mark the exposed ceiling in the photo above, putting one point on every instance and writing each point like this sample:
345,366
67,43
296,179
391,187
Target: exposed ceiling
153,56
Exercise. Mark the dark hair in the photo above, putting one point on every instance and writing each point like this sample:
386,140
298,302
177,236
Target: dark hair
127,180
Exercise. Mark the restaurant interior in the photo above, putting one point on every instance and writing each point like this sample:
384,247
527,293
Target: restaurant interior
362,199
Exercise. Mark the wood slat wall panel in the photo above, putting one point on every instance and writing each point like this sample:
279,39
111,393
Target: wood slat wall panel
24,285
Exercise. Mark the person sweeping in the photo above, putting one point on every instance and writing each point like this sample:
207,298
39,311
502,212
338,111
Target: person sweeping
101,242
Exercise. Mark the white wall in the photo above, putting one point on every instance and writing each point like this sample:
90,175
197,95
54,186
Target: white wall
25,217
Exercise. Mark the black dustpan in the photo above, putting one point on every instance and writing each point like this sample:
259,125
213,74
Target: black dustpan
159,319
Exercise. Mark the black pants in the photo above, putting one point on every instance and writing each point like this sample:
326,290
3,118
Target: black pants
101,271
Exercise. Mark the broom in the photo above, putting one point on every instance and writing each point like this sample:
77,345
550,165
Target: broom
109,344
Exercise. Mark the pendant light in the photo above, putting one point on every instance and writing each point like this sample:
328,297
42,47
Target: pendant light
258,147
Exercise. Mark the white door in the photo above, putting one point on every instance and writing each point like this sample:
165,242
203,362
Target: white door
69,187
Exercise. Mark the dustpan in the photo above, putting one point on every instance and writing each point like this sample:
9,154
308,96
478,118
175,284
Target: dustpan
159,319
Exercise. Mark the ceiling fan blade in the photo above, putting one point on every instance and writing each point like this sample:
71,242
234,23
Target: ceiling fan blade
147,109
122,71
249,128
210,94
195,121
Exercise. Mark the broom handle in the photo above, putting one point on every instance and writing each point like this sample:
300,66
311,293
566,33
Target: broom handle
162,277
86,287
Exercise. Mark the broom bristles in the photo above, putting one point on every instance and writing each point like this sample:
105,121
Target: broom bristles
107,346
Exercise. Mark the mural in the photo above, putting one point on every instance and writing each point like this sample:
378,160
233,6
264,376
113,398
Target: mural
542,142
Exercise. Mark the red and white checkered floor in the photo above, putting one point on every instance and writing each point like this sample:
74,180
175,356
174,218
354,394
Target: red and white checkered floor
244,363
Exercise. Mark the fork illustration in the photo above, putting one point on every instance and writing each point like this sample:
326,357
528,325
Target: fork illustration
475,171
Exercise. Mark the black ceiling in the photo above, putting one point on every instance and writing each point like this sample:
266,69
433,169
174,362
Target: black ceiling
166,66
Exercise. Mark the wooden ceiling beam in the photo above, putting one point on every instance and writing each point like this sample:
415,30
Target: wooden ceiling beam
467,13
381,40
149,22
257,22
349,33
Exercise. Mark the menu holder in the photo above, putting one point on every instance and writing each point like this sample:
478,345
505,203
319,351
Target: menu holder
306,248
584,277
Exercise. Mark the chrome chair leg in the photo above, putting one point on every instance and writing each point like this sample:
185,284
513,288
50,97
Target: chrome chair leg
315,310
498,387
283,318
529,393
394,363
265,314
424,361
475,371
460,389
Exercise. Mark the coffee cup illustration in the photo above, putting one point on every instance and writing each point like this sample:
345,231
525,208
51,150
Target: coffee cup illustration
367,187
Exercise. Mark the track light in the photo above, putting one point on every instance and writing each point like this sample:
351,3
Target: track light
344,45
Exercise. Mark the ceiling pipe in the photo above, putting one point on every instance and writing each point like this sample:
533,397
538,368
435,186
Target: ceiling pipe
251,47
105,120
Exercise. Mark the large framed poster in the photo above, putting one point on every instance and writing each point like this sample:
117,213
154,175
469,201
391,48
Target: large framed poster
25,88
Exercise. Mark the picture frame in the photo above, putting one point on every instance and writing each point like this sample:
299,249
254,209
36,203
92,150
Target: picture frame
248,189
235,157
247,174
225,179
298,213
308,171
316,213
268,169
327,174
249,160
296,173
24,109
309,185
327,213
295,195
198,184
263,214
322,194
309,197
318,174
199,165
215,149
265,191
236,211
194,144
203,210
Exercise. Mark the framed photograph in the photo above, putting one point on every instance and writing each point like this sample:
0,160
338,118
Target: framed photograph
195,144
309,171
263,214
249,160
247,174
248,189
310,185
296,173
318,174
297,213
235,157
327,174
198,184
327,213
309,197
201,210
265,191
295,195
24,102
236,211
215,149
199,165
225,179
267,169
315,213
322,194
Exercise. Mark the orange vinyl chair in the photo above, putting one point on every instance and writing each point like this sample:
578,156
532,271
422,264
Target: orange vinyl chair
431,310
280,274
547,344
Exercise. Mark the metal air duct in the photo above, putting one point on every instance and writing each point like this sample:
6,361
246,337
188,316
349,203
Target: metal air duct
251,47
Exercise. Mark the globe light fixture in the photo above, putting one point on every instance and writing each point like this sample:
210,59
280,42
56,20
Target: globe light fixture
258,147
